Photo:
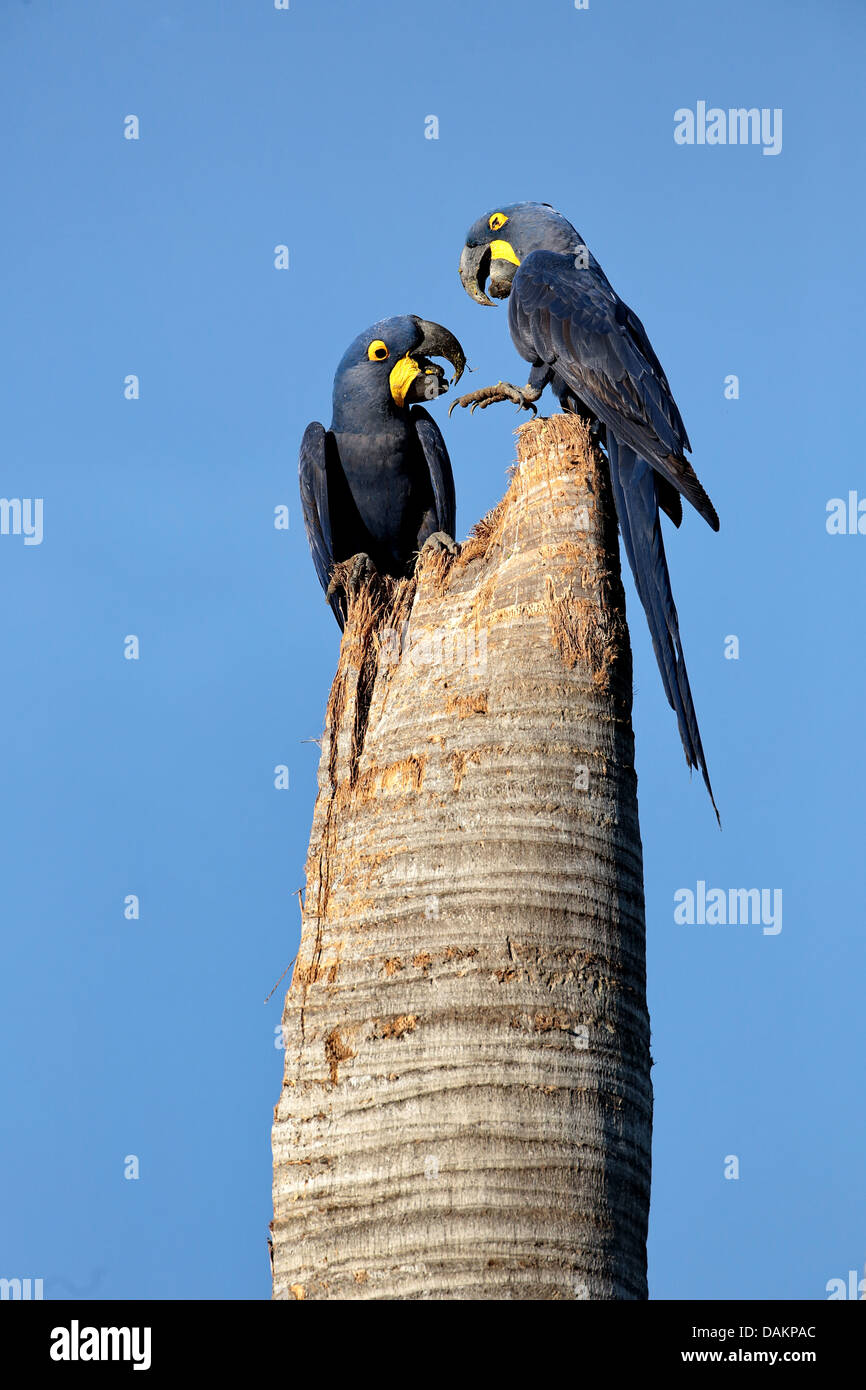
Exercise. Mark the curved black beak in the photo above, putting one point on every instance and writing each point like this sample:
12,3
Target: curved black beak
438,342
474,270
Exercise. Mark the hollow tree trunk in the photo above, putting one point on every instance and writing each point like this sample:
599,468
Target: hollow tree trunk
466,1109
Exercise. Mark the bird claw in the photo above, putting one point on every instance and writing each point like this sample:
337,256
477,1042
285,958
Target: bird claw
488,395
441,542
355,572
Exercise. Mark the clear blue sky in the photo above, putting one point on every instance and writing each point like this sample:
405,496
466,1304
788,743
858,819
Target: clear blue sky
155,777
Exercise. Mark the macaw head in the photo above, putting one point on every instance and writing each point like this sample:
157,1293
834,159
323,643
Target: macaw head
501,239
389,364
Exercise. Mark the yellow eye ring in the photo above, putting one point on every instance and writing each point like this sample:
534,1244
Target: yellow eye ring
377,351
497,220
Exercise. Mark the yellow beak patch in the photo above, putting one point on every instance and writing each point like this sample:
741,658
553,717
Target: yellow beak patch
503,251
402,376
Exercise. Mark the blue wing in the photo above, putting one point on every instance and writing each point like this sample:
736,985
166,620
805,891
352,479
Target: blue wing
572,321
316,445
441,477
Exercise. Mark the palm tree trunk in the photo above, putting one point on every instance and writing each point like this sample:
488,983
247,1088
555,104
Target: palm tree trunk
466,1109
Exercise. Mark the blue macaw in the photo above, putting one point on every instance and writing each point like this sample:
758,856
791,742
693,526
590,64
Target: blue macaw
569,323
377,486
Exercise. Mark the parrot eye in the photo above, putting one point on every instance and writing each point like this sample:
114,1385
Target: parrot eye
496,221
377,351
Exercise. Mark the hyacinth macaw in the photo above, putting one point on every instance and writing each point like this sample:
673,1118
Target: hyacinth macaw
584,342
377,486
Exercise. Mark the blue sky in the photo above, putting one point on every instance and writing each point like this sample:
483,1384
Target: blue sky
154,777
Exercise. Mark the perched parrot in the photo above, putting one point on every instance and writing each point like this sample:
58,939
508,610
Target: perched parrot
593,351
377,486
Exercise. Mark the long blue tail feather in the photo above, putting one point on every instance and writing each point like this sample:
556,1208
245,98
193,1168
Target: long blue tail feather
635,496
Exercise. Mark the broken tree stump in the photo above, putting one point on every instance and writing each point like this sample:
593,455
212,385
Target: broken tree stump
466,1108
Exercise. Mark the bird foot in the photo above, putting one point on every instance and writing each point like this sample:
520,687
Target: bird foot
487,395
441,542
353,574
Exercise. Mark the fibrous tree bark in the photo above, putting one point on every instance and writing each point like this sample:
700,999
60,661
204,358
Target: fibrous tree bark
466,1107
